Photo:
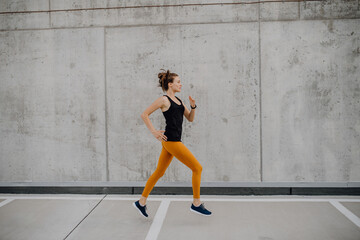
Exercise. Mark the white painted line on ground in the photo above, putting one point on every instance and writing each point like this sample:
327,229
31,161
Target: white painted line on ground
3,203
352,217
158,220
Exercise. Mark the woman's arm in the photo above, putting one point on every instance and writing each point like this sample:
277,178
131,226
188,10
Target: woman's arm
190,114
145,117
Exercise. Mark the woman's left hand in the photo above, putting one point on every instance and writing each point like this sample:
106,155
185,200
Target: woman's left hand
192,101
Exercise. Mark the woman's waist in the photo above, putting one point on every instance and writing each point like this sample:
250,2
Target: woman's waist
173,128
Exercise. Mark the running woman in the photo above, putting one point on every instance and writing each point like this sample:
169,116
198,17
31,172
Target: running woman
173,110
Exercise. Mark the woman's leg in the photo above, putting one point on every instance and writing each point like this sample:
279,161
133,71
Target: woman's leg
164,161
181,152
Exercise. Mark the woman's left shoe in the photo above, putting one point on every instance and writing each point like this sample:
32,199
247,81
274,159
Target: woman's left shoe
141,209
200,210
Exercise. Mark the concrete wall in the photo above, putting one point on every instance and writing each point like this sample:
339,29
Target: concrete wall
276,84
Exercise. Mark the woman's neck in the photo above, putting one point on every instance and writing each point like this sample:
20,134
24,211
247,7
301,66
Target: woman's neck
170,94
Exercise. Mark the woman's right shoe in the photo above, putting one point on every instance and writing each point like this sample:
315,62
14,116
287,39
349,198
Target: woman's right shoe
200,210
141,209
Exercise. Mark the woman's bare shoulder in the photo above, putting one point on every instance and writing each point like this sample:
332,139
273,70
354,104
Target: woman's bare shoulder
163,99
166,103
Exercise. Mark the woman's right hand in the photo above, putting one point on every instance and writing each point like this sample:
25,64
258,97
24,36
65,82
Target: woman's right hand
158,134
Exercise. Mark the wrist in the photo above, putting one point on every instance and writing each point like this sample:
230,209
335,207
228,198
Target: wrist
193,107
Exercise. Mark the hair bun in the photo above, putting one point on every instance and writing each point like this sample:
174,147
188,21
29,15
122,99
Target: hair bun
162,75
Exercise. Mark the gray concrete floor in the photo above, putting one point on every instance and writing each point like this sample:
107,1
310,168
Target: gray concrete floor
59,216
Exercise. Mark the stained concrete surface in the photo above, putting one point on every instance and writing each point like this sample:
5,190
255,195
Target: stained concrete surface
310,108
46,216
114,219
52,105
254,220
353,207
41,218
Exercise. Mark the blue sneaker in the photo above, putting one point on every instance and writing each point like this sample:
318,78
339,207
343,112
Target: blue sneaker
141,209
200,210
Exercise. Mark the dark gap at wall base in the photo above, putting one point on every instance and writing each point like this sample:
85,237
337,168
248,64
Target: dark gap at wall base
185,190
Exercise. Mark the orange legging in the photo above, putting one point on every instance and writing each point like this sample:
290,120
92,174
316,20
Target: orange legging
181,152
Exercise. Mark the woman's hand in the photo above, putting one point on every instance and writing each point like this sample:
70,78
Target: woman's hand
159,136
192,101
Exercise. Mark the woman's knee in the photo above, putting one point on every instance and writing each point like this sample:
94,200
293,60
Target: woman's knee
198,168
158,173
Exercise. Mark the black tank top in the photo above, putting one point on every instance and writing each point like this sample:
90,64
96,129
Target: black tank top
174,119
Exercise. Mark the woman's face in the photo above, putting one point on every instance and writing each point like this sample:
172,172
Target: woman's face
176,84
